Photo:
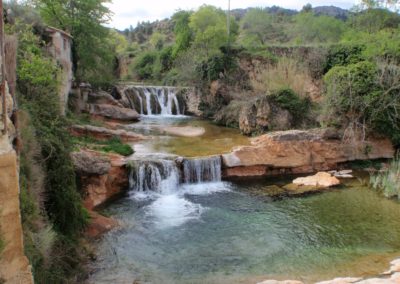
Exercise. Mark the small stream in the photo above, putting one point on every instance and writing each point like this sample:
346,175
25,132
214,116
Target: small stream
182,224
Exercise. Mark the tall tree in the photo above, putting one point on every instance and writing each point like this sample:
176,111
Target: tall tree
84,19
210,28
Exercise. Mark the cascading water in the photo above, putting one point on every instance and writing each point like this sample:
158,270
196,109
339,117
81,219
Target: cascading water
202,170
159,100
161,176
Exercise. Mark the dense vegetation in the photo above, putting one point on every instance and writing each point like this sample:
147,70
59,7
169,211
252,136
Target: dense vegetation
52,212
353,56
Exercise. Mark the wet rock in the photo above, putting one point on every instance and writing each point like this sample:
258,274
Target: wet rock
86,162
113,112
320,180
102,133
99,225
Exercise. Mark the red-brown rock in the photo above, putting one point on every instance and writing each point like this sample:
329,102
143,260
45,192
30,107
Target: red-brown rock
299,152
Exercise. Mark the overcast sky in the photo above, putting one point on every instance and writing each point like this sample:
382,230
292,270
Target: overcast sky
129,12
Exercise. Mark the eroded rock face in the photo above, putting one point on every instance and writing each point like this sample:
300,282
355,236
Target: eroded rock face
113,112
87,163
104,181
102,133
255,116
102,97
299,152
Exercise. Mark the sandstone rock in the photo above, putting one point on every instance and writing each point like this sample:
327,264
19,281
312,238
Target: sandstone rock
113,112
102,133
299,152
88,163
99,225
102,97
321,179
98,185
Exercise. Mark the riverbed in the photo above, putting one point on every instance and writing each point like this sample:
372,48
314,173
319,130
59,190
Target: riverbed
233,231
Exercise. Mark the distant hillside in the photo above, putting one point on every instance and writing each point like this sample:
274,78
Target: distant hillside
332,11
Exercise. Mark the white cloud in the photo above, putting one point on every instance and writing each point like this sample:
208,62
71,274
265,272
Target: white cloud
128,12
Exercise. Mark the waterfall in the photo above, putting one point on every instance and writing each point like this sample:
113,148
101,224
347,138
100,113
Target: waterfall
148,101
141,103
161,176
159,100
202,170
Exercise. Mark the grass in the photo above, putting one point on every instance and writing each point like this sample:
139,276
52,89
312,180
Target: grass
388,181
113,145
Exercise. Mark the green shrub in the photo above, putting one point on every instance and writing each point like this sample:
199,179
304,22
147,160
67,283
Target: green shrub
342,55
388,181
217,65
362,98
289,100
144,65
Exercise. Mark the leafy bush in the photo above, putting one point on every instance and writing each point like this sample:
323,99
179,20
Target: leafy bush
363,97
144,65
389,180
289,100
37,91
216,66
342,55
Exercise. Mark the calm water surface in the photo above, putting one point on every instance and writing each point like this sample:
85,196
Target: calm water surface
228,233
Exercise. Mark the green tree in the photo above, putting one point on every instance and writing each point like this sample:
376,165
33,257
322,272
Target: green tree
259,27
317,29
210,29
92,53
182,31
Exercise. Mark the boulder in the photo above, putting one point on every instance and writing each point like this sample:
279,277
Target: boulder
104,181
320,180
301,152
102,97
102,133
113,112
89,163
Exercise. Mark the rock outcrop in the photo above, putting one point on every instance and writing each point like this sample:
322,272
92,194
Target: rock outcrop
256,115
113,112
321,179
104,180
101,98
300,152
102,133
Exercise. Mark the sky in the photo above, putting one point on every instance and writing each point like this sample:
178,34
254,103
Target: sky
130,12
